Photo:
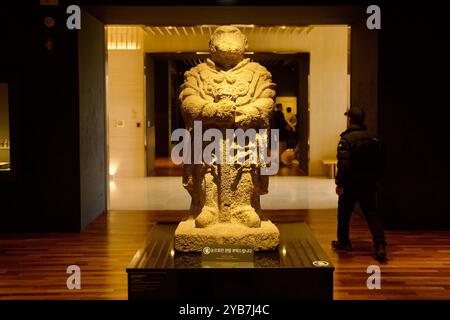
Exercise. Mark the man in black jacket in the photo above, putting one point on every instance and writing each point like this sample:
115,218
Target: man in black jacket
356,180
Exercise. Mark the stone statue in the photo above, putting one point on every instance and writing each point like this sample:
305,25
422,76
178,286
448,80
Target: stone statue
228,91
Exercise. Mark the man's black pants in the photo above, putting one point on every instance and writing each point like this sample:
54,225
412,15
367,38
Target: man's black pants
368,204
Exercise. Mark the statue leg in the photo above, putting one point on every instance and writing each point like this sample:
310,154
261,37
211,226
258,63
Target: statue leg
243,211
210,211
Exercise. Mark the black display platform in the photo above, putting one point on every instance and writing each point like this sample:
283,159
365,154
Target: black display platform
296,271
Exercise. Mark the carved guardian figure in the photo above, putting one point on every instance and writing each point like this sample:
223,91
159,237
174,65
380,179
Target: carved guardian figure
228,91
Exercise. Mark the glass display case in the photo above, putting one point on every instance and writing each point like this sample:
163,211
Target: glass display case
5,156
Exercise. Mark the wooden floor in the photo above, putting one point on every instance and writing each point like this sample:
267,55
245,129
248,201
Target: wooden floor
34,266
165,167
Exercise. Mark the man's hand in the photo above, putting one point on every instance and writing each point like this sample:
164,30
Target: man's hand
339,191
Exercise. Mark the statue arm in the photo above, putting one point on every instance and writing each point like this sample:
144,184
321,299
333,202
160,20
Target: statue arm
257,112
196,105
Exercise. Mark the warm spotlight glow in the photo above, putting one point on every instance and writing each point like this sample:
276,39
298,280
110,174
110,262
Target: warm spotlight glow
208,25
284,251
234,25
112,186
124,37
112,169
283,27
244,25
112,172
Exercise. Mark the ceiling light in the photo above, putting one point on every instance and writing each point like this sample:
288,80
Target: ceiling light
244,25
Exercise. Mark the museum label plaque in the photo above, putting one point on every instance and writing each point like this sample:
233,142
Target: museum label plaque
227,256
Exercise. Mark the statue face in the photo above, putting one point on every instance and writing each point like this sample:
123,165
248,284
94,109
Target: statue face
227,46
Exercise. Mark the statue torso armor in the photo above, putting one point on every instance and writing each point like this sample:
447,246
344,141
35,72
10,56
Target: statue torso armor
239,84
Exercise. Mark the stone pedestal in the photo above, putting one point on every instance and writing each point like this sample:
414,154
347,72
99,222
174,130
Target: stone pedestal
188,238
298,270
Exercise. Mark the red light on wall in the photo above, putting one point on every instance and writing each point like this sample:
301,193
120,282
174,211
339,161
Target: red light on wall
49,22
49,45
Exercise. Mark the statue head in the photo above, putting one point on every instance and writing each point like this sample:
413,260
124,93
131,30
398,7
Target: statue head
227,46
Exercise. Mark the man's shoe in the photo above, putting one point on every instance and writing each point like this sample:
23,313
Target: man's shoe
338,245
380,251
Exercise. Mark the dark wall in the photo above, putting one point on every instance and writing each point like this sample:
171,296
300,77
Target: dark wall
91,59
44,193
161,108
286,78
175,82
363,65
303,111
57,121
413,112
150,113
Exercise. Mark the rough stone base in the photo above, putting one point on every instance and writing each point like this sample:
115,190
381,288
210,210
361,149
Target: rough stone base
188,238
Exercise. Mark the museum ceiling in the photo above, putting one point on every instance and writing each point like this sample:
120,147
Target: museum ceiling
277,39
249,30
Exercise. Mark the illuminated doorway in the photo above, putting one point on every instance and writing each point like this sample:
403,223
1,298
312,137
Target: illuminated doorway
144,102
